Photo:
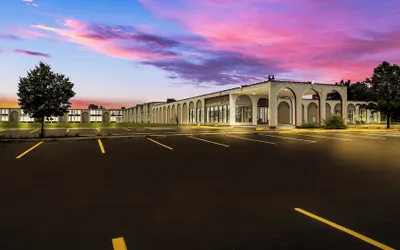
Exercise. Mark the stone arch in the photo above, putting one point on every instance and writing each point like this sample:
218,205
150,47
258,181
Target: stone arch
312,113
328,111
243,108
173,114
199,112
164,115
336,96
337,110
184,113
168,114
351,112
106,117
289,96
85,117
179,113
315,116
192,115
14,116
284,113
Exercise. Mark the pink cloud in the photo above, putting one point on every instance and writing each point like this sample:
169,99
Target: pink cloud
27,1
107,40
31,53
29,34
295,34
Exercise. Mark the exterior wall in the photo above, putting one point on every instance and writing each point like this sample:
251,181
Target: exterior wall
17,115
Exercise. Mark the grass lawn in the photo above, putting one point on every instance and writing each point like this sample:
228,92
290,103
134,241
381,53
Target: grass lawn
10,125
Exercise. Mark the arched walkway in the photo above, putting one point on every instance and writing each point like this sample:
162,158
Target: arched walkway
185,113
192,114
173,115
179,114
351,113
337,109
106,117
312,110
328,111
199,112
284,113
168,115
85,117
243,109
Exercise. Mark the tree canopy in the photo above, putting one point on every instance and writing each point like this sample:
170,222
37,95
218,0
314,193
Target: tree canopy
385,84
93,106
43,93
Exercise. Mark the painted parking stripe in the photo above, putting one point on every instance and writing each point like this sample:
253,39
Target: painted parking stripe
67,130
159,143
287,138
33,131
212,142
346,230
359,136
326,137
101,146
98,129
119,244
127,129
249,139
29,150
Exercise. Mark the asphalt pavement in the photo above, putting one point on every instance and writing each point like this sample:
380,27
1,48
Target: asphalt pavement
202,192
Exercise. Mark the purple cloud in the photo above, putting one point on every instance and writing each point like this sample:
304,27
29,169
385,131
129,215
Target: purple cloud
31,53
9,37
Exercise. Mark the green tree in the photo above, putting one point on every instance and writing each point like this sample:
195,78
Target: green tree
93,106
43,93
385,84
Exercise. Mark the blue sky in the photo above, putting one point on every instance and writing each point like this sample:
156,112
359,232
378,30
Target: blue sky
121,52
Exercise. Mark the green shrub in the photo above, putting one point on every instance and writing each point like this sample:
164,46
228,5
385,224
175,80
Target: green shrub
309,125
335,122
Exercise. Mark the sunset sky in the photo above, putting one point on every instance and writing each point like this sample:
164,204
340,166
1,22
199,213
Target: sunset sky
123,52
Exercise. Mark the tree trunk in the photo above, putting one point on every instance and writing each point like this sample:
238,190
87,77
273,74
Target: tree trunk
388,120
42,130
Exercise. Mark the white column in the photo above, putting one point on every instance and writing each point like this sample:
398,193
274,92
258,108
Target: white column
232,112
305,112
254,101
378,113
344,110
272,108
322,110
368,116
297,113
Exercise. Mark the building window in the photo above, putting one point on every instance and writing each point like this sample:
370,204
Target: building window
4,115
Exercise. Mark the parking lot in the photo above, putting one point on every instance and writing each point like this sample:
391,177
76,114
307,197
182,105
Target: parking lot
203,192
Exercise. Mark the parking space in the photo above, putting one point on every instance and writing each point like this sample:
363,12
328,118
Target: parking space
200,191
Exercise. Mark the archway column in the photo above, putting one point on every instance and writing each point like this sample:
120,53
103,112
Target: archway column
322,109
344,108
272,107
368,116
306,113
232,108
254,109
297,109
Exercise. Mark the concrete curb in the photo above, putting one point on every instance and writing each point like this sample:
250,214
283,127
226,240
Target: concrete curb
336,130
126,136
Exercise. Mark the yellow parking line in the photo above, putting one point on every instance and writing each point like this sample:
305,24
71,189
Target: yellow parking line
287,138
248,139
67,130
127,129
98,129
216,143
101,146
346,230
33,131
327,137
27,151
159,143
119,244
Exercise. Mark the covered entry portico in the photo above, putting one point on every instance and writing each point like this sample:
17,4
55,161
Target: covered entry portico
279,103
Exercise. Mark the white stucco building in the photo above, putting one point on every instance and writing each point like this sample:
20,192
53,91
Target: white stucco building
273,103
